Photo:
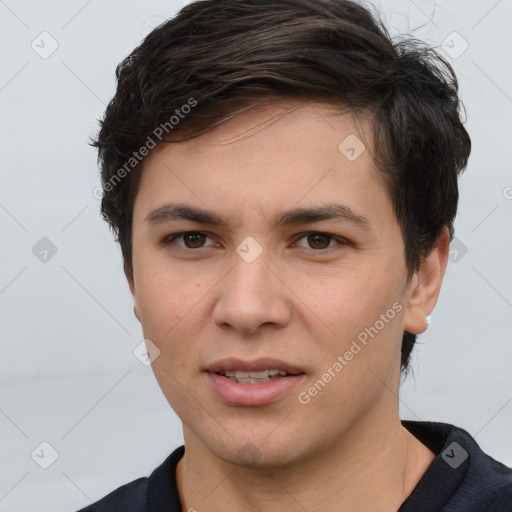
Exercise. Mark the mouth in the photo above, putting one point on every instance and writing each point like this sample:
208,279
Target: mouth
253,383
260,369
255,377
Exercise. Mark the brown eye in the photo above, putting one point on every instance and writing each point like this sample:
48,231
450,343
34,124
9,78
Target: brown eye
194,240
189,240
319,241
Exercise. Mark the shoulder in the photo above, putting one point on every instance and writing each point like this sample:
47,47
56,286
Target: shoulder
146,494
463,476
501,501
487,480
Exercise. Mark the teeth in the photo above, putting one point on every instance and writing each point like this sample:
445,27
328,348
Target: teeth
252,381
253,375
257,375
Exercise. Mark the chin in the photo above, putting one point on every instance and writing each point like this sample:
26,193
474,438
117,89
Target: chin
258,451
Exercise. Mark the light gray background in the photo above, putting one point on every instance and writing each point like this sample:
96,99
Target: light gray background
68,375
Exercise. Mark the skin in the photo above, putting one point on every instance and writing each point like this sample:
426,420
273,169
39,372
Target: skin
302,300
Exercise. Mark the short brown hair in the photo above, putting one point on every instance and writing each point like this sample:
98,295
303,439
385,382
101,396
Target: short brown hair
215,53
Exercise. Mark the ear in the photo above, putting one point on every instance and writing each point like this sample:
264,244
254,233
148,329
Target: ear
425,285
128,272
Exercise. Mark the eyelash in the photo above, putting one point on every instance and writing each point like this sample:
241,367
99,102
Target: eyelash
341,241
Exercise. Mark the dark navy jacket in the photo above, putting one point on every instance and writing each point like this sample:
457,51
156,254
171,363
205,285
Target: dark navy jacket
462,478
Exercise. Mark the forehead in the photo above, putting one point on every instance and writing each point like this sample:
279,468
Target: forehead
267,159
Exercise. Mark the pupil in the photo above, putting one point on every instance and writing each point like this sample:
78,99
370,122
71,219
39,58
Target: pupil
195,242
317,239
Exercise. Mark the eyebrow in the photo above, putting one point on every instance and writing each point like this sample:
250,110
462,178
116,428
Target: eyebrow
178,211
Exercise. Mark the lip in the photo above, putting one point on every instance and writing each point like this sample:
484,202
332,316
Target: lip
252,395
256,365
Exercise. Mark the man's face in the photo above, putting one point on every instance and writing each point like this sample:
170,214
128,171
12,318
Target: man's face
304,291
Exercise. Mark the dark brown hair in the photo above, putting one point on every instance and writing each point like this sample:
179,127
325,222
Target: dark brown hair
187,74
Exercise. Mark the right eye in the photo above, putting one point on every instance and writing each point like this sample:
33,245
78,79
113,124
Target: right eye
190,239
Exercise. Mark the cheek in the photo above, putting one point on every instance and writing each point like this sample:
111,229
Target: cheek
364,314
164,298
350,299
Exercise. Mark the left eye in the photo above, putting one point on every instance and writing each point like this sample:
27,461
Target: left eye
318,241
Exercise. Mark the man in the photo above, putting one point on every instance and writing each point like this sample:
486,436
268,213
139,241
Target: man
282,179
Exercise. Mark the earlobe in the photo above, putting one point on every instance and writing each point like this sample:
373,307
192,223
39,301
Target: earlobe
425,286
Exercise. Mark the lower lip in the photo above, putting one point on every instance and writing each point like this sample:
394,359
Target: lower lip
251,395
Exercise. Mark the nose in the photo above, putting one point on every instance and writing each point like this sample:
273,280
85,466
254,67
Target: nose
250,296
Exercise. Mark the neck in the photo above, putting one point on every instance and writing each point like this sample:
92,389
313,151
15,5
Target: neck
373,469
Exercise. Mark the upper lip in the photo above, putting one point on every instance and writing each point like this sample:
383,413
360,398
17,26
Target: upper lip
256,365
